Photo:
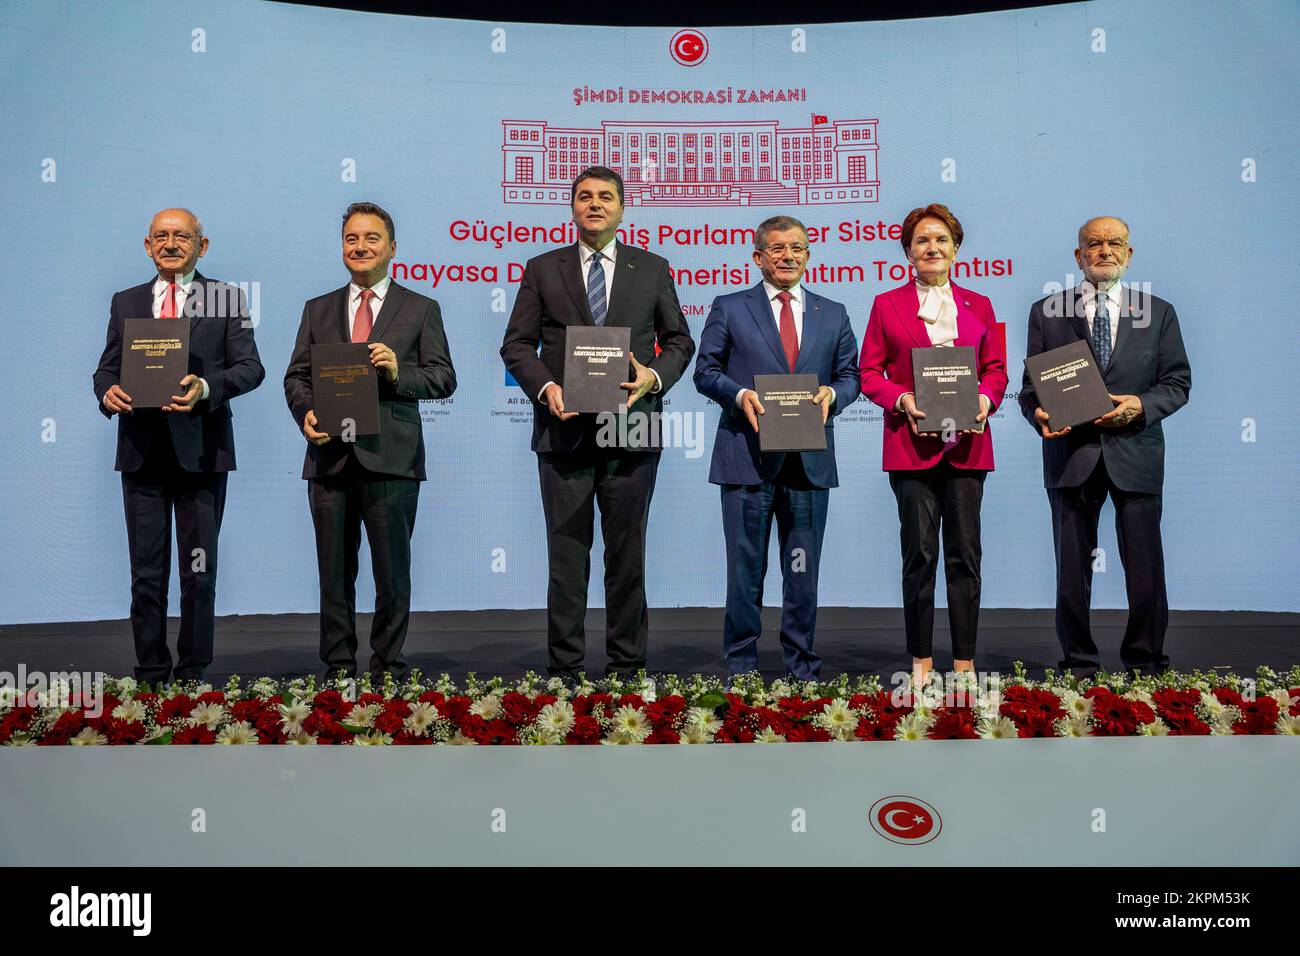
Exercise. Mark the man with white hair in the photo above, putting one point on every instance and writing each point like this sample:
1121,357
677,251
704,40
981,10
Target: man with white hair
176,458
1138,348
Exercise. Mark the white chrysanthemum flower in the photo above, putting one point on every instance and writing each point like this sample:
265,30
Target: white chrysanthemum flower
620,739
421,718
1075,704
20,740
460,740
489,707
238,733
362,715
556,719
1287,725
1141,694
838,719
1212,705
1283,698
914,726
768,736
300,739
126,686
372,739
1157,728
89,737
631,723
996,728
295,713
695,733
705,720
207,715
131,711
1071,726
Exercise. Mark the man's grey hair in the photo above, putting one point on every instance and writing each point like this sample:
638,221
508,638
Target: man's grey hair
776,224
197,225
1094,219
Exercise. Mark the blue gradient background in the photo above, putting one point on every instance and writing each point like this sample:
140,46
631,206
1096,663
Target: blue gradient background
251,134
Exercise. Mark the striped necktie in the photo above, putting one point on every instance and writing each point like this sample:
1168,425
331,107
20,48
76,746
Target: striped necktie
596,288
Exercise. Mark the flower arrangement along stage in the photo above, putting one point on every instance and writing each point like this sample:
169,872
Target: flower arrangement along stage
668,710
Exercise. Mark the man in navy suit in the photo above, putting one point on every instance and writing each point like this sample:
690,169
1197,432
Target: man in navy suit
777,327
175,459
1138,346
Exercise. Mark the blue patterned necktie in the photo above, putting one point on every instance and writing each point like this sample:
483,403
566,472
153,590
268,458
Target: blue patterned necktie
596,288
1101,330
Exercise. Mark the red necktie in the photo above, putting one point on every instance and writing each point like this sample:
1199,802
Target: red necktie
789,338
168,310
364,320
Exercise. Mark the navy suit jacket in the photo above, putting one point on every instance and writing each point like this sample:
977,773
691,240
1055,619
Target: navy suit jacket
741,340
411,325
222,352
1148,360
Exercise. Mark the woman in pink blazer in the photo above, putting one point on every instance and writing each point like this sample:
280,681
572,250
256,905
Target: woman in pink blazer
939,484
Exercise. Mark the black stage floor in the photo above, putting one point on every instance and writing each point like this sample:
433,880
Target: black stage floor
682,640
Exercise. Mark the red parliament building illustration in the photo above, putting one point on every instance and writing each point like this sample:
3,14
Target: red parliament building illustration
747,163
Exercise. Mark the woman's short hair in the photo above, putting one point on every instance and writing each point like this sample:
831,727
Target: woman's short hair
933,211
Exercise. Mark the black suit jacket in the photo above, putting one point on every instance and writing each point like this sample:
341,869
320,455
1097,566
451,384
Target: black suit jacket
1148,360
553,296
222,352
411,325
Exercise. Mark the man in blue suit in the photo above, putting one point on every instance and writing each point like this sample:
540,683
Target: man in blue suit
777,327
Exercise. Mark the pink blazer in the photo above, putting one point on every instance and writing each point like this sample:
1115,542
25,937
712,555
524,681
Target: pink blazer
893,330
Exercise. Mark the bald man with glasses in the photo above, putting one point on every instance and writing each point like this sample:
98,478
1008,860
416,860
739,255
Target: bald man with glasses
175,460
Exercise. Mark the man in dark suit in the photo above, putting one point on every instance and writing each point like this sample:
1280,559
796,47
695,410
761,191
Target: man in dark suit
371,480
175,459
1139,349
598,281
776,328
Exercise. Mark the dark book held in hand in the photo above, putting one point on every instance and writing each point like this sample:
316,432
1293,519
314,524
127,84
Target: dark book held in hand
155,357
1069,385
595,365
345,387
790,420
946,384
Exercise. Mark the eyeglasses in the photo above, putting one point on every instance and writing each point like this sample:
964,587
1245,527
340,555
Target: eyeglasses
165,238
779,251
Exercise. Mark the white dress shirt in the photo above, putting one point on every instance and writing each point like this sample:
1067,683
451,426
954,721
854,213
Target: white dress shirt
1115,297
607,254
183,286
380,289
796,307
